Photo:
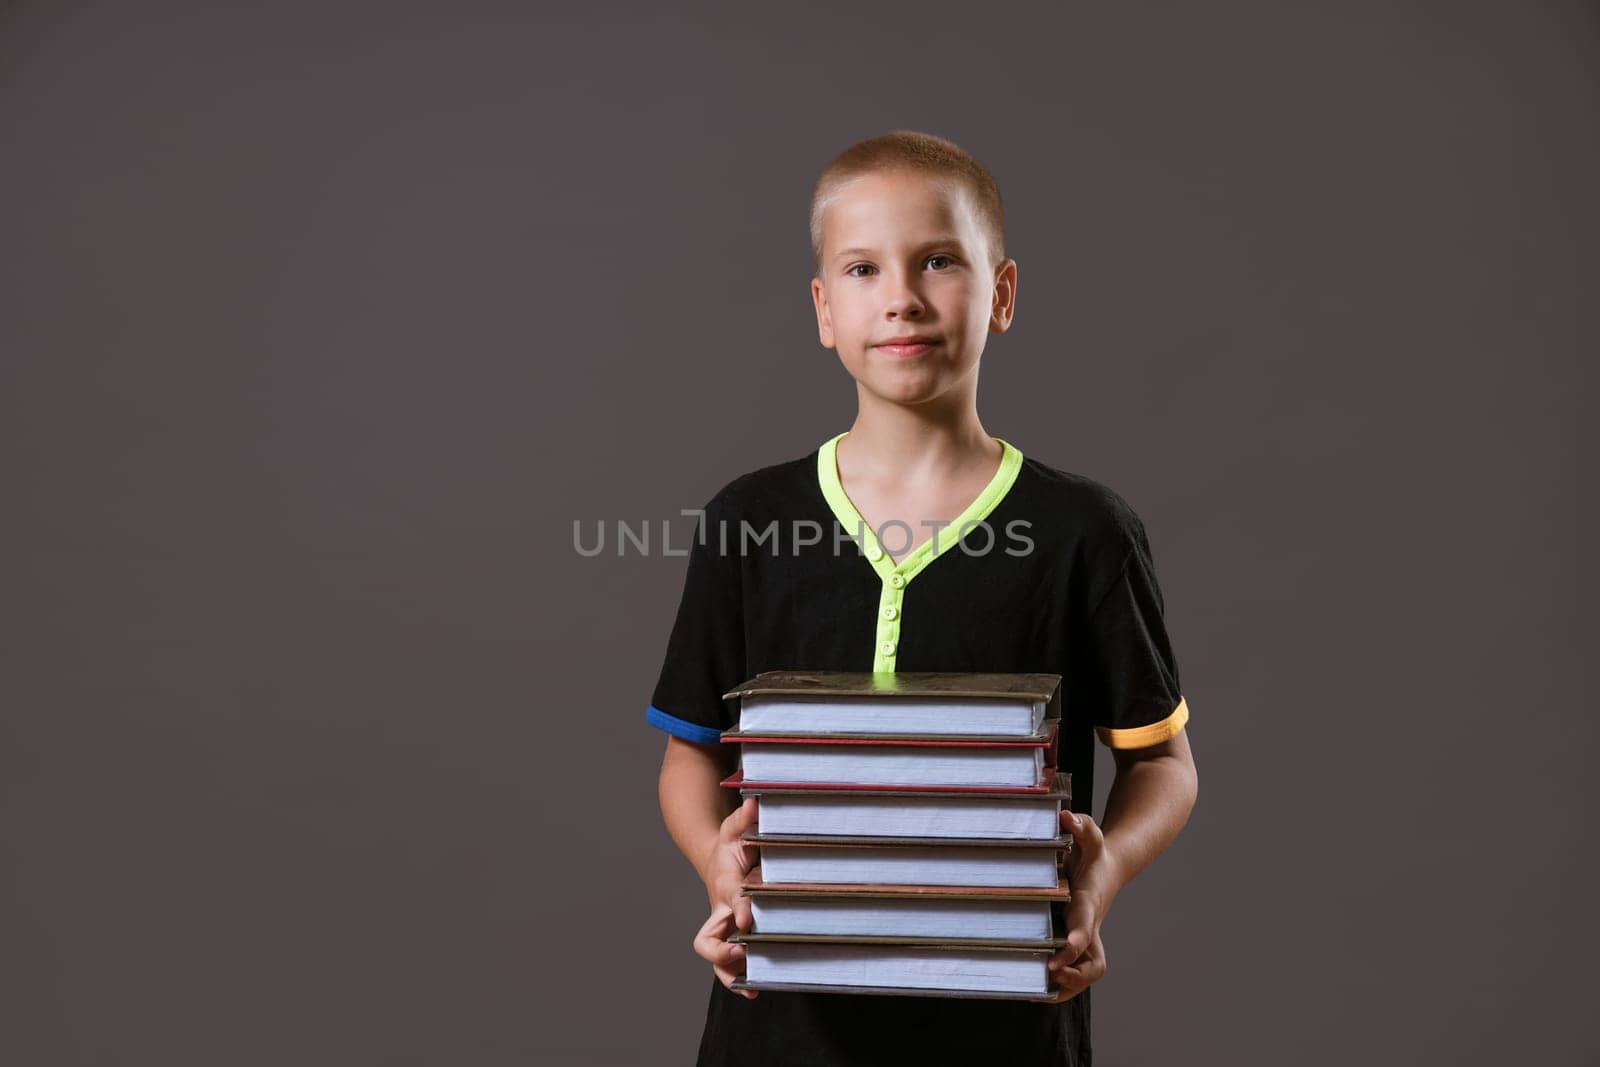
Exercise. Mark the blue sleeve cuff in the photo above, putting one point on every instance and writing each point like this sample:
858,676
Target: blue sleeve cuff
701,735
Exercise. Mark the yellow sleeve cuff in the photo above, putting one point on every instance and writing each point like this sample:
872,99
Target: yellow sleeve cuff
1144,736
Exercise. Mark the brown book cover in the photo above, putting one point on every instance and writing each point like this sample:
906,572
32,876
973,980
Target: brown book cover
1045,736
742,937
1060,842
894,991
1042,787
891,684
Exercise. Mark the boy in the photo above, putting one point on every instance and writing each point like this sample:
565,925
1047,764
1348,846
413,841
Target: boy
969,557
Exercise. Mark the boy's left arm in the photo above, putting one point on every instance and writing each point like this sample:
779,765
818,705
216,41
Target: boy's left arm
1151,797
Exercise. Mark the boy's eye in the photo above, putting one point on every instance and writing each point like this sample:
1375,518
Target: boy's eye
937,259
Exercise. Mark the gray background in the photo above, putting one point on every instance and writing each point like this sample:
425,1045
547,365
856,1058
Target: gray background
322,323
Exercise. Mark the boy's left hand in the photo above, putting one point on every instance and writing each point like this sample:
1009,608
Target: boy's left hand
1093,878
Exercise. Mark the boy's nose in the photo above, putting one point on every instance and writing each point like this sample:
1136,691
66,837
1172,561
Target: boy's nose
903,300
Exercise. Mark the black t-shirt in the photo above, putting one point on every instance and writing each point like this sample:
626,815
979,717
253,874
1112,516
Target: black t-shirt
1046,571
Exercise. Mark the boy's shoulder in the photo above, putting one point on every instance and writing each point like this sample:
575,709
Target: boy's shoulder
774,487
1077,500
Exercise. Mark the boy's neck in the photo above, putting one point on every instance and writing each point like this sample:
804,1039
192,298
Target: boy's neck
891,440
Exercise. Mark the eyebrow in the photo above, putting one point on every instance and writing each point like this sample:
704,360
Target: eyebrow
924,246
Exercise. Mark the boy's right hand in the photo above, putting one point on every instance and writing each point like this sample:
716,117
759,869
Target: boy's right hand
725,869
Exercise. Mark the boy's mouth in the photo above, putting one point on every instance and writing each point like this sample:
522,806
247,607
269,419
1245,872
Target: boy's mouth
909,345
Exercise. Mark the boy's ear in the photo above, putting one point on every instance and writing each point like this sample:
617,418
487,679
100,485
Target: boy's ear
1004,307
819,299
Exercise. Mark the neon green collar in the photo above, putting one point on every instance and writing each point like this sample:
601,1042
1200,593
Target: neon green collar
925,553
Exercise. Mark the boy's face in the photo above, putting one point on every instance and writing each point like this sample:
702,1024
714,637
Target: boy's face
903,256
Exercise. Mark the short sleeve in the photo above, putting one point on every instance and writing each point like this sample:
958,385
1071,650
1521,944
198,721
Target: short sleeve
1133,675
705,651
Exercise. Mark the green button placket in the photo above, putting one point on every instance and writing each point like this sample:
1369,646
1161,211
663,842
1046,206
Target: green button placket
891,606
895,577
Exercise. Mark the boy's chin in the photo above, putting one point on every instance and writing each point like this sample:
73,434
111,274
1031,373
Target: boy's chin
907,383
908,390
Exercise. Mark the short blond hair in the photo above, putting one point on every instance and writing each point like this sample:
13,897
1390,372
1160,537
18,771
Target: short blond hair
912,150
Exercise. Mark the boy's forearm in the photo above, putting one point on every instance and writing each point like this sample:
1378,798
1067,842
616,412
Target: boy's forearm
693,805
1149,803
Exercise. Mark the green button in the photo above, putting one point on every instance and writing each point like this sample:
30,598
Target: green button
889,611
887,648
896,580
874,553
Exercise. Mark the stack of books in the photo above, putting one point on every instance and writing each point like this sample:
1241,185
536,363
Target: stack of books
908,831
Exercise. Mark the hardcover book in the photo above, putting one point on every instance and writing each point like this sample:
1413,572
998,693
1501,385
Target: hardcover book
944,763
891,967
819,703
977,862
928,813
933,913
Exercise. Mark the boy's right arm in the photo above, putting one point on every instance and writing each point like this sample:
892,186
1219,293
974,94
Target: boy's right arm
706,826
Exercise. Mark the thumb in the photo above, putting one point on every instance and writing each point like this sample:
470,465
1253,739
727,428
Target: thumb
1080,928
745,817
1088,840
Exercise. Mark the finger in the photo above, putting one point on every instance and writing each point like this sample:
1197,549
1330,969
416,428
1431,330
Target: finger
747,814
743,913
741,819
711,945
1068,980
1080,930
726,976
1082,977
1066,987
720,953
1074,978
728,891
712,935
1086,833
1078,938
1070,856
